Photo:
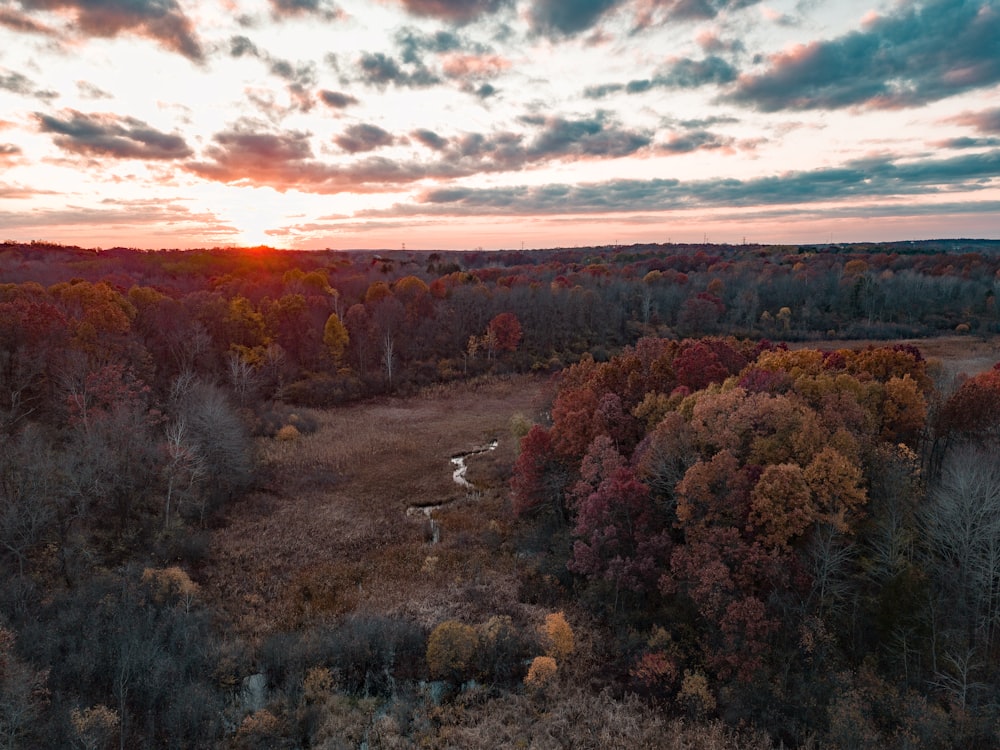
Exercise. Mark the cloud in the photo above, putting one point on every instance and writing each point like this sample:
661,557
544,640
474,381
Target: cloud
337,99
590,137
561,18
455,11
467,66
364,137
378,69
286,8
694,140
111,135
881,177
90,91
682,73
163,21
920,54
966,142
558,18
987,121
430,139
413,44
16,21
16,192
18,83
154,216
241,46
247,154
9,152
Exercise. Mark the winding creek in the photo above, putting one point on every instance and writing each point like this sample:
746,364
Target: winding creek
458,475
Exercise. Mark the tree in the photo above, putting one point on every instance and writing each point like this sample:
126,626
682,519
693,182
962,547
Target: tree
506,329
335,337
620,536
23,695
538,480
962,527
451,651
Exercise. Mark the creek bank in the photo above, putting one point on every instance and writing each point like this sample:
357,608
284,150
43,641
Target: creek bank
458,475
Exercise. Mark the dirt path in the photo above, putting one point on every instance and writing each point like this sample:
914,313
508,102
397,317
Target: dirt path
329,532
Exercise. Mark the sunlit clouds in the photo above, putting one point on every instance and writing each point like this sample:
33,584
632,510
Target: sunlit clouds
467,123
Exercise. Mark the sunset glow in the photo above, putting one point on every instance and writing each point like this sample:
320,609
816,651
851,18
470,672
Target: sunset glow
456,124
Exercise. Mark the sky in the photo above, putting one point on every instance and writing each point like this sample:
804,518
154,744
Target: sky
459,124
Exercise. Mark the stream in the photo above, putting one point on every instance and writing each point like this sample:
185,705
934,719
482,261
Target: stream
458,475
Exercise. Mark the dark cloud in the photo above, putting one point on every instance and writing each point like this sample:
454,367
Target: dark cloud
248,154
694,140
163,21
413,44
304,74
684,73
966,142
337,99
364,137
862,178
593,137
240,46
111,135
430,139
291,8
919,54
455,11
485,91
16,21
244,155
687,73
378,69
16,83
987,121
561,18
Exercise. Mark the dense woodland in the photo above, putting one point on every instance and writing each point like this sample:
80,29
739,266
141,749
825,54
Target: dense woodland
774,540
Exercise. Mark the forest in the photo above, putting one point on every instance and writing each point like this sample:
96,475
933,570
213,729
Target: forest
741,497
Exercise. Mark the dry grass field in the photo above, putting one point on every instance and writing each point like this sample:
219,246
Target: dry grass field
329,533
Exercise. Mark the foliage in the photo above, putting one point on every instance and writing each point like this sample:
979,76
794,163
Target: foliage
451,651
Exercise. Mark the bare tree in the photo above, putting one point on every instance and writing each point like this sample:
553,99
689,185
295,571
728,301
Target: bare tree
961,525
388,357
185,468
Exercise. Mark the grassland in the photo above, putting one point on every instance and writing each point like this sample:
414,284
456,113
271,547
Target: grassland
328,531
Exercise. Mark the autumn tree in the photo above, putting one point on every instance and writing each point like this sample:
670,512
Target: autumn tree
506,331
451,651
335,336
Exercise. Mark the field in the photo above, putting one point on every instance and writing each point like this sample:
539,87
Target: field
330,533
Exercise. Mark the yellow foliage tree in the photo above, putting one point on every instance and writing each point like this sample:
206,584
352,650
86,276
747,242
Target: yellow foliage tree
557,636
335,336
541,671
451,650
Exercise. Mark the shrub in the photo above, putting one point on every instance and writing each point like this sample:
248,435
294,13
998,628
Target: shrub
288,432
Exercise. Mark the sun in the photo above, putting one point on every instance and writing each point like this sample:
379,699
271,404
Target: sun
258,216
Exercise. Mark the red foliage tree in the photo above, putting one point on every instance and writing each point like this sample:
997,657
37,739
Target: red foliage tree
507,330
